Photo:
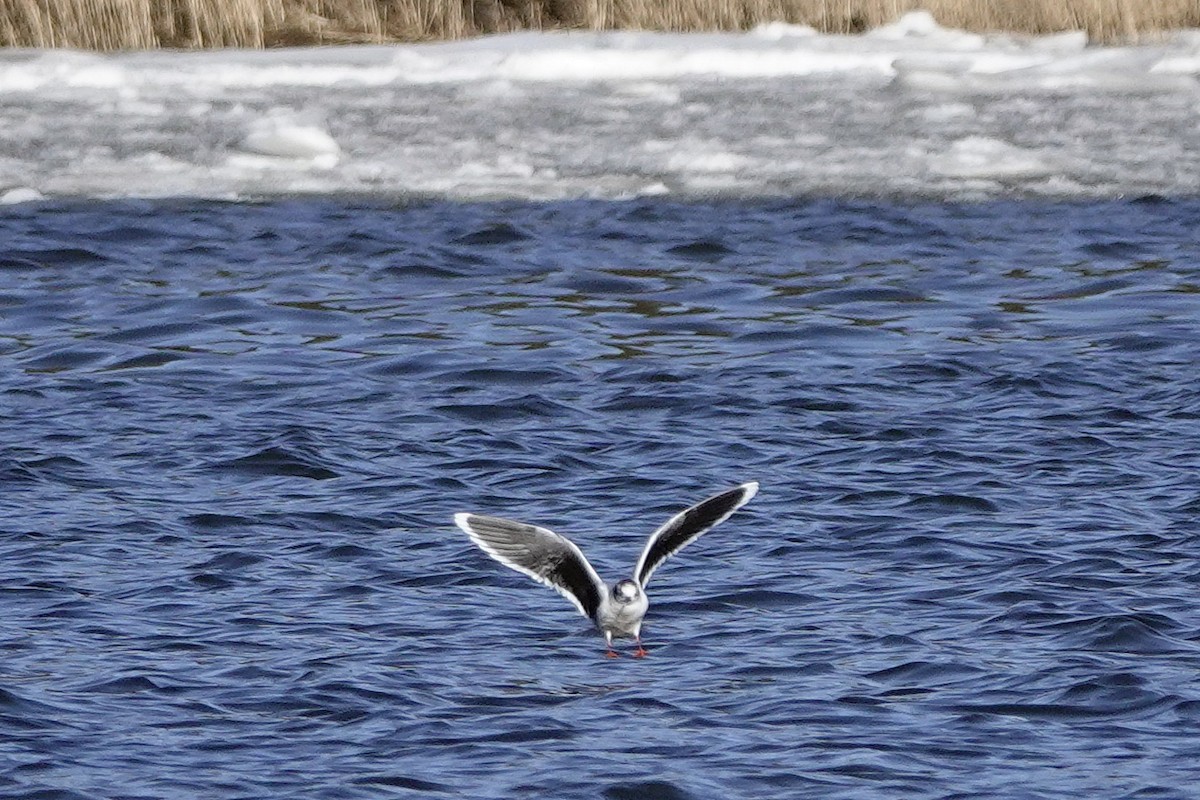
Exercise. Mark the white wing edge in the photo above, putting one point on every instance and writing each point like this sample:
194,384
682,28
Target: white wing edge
461,519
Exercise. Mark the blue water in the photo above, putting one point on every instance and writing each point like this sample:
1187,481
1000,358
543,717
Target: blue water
233,436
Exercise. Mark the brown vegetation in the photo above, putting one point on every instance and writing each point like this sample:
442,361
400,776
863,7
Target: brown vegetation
136,24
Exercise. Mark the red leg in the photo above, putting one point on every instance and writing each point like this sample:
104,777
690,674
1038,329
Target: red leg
641,651
610,653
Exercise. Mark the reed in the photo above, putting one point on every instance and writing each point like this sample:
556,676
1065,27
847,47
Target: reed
140,24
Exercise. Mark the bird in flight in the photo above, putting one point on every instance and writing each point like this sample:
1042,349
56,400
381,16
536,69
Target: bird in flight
555,561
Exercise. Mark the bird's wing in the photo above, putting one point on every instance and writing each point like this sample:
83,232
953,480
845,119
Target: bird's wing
541,554
688,524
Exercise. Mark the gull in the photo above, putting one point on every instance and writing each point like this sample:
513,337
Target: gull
555,561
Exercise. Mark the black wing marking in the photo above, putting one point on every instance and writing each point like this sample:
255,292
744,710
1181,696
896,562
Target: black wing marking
688,524
540,553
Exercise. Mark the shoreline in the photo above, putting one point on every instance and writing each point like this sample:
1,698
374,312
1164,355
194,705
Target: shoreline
215,24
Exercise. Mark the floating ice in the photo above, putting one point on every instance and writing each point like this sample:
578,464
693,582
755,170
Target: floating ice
980,157
922,26
774,31
20,194
284,136
909,109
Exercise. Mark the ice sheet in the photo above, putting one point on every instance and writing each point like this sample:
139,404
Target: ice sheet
911,109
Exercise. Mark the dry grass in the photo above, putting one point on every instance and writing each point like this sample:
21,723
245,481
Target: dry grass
1104,20
138,24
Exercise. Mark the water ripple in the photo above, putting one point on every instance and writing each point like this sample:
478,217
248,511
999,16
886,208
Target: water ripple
234,435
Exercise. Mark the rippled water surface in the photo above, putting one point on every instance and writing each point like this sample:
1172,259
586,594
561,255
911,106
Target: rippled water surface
233,437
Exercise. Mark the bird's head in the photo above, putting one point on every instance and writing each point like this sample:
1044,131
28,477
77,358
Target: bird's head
625,591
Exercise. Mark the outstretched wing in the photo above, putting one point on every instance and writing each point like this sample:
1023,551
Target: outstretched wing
688,524
541,554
